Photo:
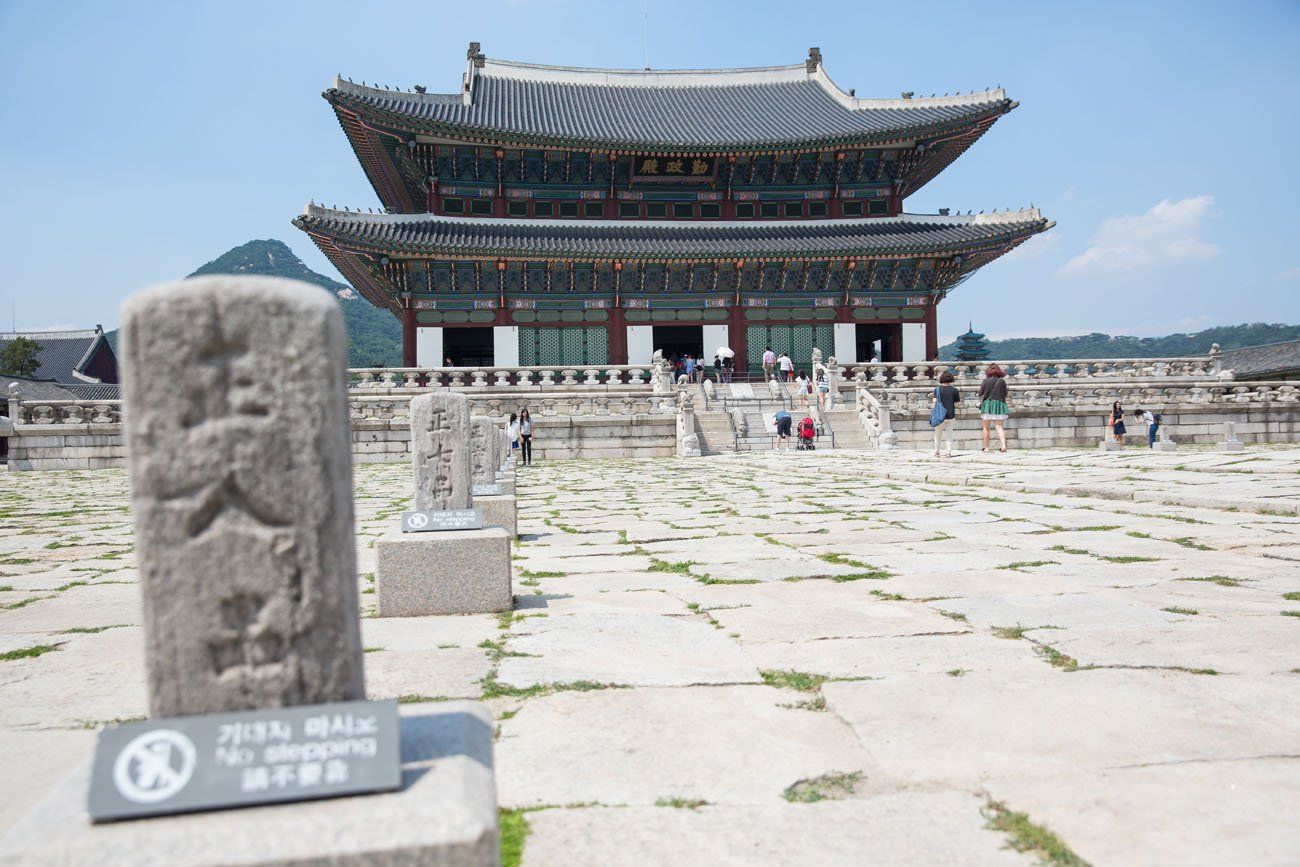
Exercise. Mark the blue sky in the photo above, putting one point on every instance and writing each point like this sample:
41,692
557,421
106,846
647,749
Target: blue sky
144,139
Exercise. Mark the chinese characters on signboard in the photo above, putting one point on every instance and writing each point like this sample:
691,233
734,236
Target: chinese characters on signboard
673,169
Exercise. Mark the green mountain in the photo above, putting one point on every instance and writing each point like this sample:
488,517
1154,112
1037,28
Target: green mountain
1118,346
374,335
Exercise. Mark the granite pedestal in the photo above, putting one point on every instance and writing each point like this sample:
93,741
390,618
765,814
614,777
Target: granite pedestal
1110,445
500,511
1164,446
443,572
445,813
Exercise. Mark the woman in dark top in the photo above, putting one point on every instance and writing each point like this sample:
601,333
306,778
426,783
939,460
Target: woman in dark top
1117,422
947,396
993,404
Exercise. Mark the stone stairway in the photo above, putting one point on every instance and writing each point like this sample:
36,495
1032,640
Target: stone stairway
849,433
714,430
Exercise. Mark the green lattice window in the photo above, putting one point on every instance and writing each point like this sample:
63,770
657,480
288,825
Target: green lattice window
797,340
563,346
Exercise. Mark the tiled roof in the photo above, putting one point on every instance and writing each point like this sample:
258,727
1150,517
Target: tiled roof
780,106
63,354
425,234
1263,362
33,389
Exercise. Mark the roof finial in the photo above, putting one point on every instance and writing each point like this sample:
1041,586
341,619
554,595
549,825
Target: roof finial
475,54
814,59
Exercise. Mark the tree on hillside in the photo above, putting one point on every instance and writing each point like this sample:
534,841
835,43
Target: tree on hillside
18,357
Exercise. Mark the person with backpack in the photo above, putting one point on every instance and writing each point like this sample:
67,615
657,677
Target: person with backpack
512,432
1153,425
946,398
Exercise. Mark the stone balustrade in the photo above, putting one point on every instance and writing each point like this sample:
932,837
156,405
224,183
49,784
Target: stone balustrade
382,407
1149,393
536,378
881,374
65,412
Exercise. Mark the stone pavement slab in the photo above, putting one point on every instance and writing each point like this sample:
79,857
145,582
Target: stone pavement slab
896,829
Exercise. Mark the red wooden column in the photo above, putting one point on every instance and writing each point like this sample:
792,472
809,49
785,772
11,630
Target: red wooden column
499,200
617,321
932,331
617,336
408,336
736,337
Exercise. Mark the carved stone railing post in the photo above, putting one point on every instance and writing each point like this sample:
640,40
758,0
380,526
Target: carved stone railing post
688,442
15,403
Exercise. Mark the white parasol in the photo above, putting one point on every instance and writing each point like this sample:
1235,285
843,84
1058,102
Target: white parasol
725,352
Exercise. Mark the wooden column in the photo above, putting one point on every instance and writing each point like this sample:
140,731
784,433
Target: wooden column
932,331
736,337
408,336
617,336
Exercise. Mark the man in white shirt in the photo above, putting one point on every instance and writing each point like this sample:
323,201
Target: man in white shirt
769,363
787,367
1153,426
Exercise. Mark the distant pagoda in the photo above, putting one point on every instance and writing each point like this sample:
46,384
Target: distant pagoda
550,215
972,346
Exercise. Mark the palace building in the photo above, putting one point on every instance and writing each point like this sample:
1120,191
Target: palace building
549,215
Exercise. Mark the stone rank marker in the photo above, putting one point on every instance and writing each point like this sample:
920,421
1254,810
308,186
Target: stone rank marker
241,481
444,571
500,508
440,437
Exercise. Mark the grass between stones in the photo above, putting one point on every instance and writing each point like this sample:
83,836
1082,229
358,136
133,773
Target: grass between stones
827,787
1016,632
23,603
800,681
681,803
1126,558
1026,836
1021,565
91,630
680,567
1221,580
27,652
514,833
1174,609
1292,597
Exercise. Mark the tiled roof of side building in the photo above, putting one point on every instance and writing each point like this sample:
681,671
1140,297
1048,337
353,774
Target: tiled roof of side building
713,109
1261,362
64,354
423,234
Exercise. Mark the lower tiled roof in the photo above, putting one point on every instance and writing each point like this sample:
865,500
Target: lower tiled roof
427,234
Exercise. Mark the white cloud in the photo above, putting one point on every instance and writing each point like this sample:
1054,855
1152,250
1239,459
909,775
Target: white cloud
1167,234
1290,274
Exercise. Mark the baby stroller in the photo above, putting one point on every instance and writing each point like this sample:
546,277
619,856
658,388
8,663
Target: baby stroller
807,433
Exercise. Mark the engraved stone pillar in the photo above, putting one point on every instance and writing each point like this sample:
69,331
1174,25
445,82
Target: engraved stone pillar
439,449
242,491
483,450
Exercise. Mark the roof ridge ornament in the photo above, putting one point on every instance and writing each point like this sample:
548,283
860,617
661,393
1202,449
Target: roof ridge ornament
814,59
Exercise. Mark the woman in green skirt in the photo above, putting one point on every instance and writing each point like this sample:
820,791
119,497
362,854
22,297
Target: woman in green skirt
993,404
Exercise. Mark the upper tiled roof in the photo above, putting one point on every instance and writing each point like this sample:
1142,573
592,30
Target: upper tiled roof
427,234
64,355
715,109
1263,362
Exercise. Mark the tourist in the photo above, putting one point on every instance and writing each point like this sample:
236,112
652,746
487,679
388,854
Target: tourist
823,388
993,404
783,425
1116,422
512,432
526,437
769,363
1153,425
688,364
446,362
787,367
727,364
717,368
803,387
946,397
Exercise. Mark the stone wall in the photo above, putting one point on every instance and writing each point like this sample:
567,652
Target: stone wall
1083,428
374,440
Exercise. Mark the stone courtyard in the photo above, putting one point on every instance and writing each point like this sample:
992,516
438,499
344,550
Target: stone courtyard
779,658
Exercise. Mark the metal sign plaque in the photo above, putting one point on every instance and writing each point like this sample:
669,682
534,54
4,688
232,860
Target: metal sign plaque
215,761
447,519
485,491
